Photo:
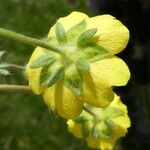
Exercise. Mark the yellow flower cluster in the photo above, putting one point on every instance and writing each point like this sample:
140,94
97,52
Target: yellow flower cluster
82,74
105,36
114,122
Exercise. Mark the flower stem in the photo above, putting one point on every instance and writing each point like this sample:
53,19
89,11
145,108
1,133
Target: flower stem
88,110
18,88
16,66
24,88
28,40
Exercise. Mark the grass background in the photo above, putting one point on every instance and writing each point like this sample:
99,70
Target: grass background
25,121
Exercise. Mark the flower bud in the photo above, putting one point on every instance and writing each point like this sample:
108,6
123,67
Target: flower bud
105,128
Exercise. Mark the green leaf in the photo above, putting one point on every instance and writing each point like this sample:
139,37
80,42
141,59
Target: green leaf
114,112
76,30
85,37
60,33
1,54
73,80
44,60
94,52
4,72
50,75
82,64
4,65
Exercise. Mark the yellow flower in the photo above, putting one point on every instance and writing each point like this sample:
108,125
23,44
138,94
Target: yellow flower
108,131
90,67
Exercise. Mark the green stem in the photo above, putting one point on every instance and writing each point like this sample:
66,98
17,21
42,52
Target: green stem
18,88
88,111
28,40
16,66
24,88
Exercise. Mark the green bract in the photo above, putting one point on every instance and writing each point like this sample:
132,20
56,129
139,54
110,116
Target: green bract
83,69
101,124
78,51
102,130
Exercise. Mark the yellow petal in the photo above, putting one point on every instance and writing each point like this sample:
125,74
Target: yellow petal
112,70
100,143
74,128
33,75
69,21
118,103
95,91
123,121
63,100
111,34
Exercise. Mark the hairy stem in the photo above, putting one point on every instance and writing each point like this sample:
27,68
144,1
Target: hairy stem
24,88
88,110
28,40
16,66
17,88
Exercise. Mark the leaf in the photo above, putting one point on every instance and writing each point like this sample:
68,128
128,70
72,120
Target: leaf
1,54
50,75
4,72
94,52
60,33
44,60
82,64
4,65
73,80
114,112
85,37
76,30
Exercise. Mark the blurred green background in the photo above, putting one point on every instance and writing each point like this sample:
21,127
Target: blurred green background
25,121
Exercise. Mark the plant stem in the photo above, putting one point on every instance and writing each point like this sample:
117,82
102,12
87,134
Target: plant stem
24,88
18,88
28,40
16,66
88,110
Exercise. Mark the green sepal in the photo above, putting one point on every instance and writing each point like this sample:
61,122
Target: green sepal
95,131
110,123
86,129
55,76
82,64
80,119
104,130
73,80
60,33
4,72
51,75
85,37
113,112
44,60
75,31
94,52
